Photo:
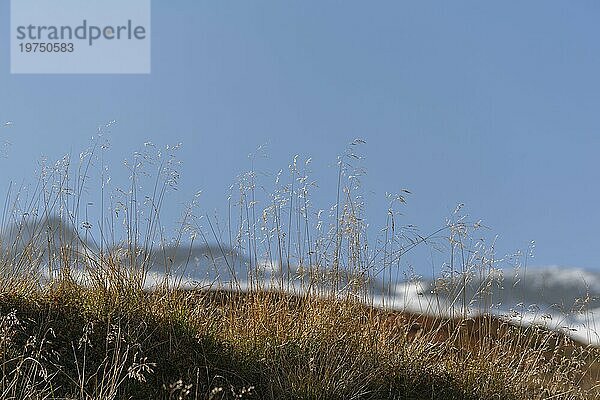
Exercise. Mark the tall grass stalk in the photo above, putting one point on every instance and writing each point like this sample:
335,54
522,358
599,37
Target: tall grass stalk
293,312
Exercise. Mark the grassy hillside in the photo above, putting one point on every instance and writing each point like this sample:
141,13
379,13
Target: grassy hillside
77,320
75,343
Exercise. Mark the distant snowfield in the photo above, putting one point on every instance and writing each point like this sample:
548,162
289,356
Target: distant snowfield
558,298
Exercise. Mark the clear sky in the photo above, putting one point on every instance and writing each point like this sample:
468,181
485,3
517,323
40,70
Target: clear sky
492,104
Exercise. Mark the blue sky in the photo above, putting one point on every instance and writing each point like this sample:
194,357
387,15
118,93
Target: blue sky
494,105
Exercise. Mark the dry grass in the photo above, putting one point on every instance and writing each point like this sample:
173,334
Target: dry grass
105,336
83,344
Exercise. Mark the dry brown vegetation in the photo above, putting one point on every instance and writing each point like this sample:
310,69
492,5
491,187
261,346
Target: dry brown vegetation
68,342
107,336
